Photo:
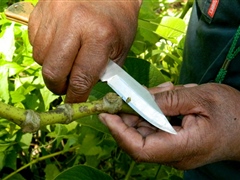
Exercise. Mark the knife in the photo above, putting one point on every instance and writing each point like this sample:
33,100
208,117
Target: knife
121,82
136,96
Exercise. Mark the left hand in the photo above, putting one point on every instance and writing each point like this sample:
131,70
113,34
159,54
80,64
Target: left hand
209,131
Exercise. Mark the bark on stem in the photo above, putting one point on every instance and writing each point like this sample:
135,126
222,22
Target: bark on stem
31,121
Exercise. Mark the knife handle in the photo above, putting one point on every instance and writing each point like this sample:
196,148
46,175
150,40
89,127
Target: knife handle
19,12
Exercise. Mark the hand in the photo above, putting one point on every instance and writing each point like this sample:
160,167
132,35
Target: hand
73,40
209,131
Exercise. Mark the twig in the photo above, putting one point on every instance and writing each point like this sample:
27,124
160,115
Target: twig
31,121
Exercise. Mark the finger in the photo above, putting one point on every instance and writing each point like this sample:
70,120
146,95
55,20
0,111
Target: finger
181,101
90,63
127,137
59,60
43,38
144,123
167,86
131,120
156,147
142,126
34,22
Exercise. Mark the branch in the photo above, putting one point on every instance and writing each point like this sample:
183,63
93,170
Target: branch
31,121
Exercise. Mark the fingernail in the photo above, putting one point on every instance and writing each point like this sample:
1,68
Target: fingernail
166,84
190,85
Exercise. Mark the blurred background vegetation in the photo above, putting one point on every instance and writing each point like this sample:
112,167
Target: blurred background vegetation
84,148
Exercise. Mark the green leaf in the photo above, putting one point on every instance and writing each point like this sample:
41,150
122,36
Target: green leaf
99,90
51,171
93,122
147,31
89,143
4,91
171,28
82,172
22,80
25,140
7,43
147,10
144,72
3,153
12,67
2,160
11,159
72,140
17,177
18,95
48,97
3,5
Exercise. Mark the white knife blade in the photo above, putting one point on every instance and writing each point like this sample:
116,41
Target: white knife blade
136,96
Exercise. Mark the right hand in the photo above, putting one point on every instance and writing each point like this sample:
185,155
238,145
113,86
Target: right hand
73,41
209,131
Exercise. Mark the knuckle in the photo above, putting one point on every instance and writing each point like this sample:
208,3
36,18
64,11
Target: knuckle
50,74
105,32
81,83
53,80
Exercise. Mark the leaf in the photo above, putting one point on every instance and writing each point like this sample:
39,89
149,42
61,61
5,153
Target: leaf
4,90
11,158
51,171
7,43
93,122
17,177
20,81
12,67
18,95
147,31
2,160
48,97
171,28
72,140
144,72
25,140
147,10
3,153
89,143
3,4
99,90
82,172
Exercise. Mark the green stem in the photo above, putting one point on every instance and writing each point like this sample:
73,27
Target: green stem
127,177
186,8
31,121
37,160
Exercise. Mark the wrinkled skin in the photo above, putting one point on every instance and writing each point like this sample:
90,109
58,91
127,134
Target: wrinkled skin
73,41
209,131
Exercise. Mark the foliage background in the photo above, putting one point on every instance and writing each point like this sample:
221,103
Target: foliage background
84,148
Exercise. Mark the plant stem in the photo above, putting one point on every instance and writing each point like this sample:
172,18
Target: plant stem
130,170
37,160
31,121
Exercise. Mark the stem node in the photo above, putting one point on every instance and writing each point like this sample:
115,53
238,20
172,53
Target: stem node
32,122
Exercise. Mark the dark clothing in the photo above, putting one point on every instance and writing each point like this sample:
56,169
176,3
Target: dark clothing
212,27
